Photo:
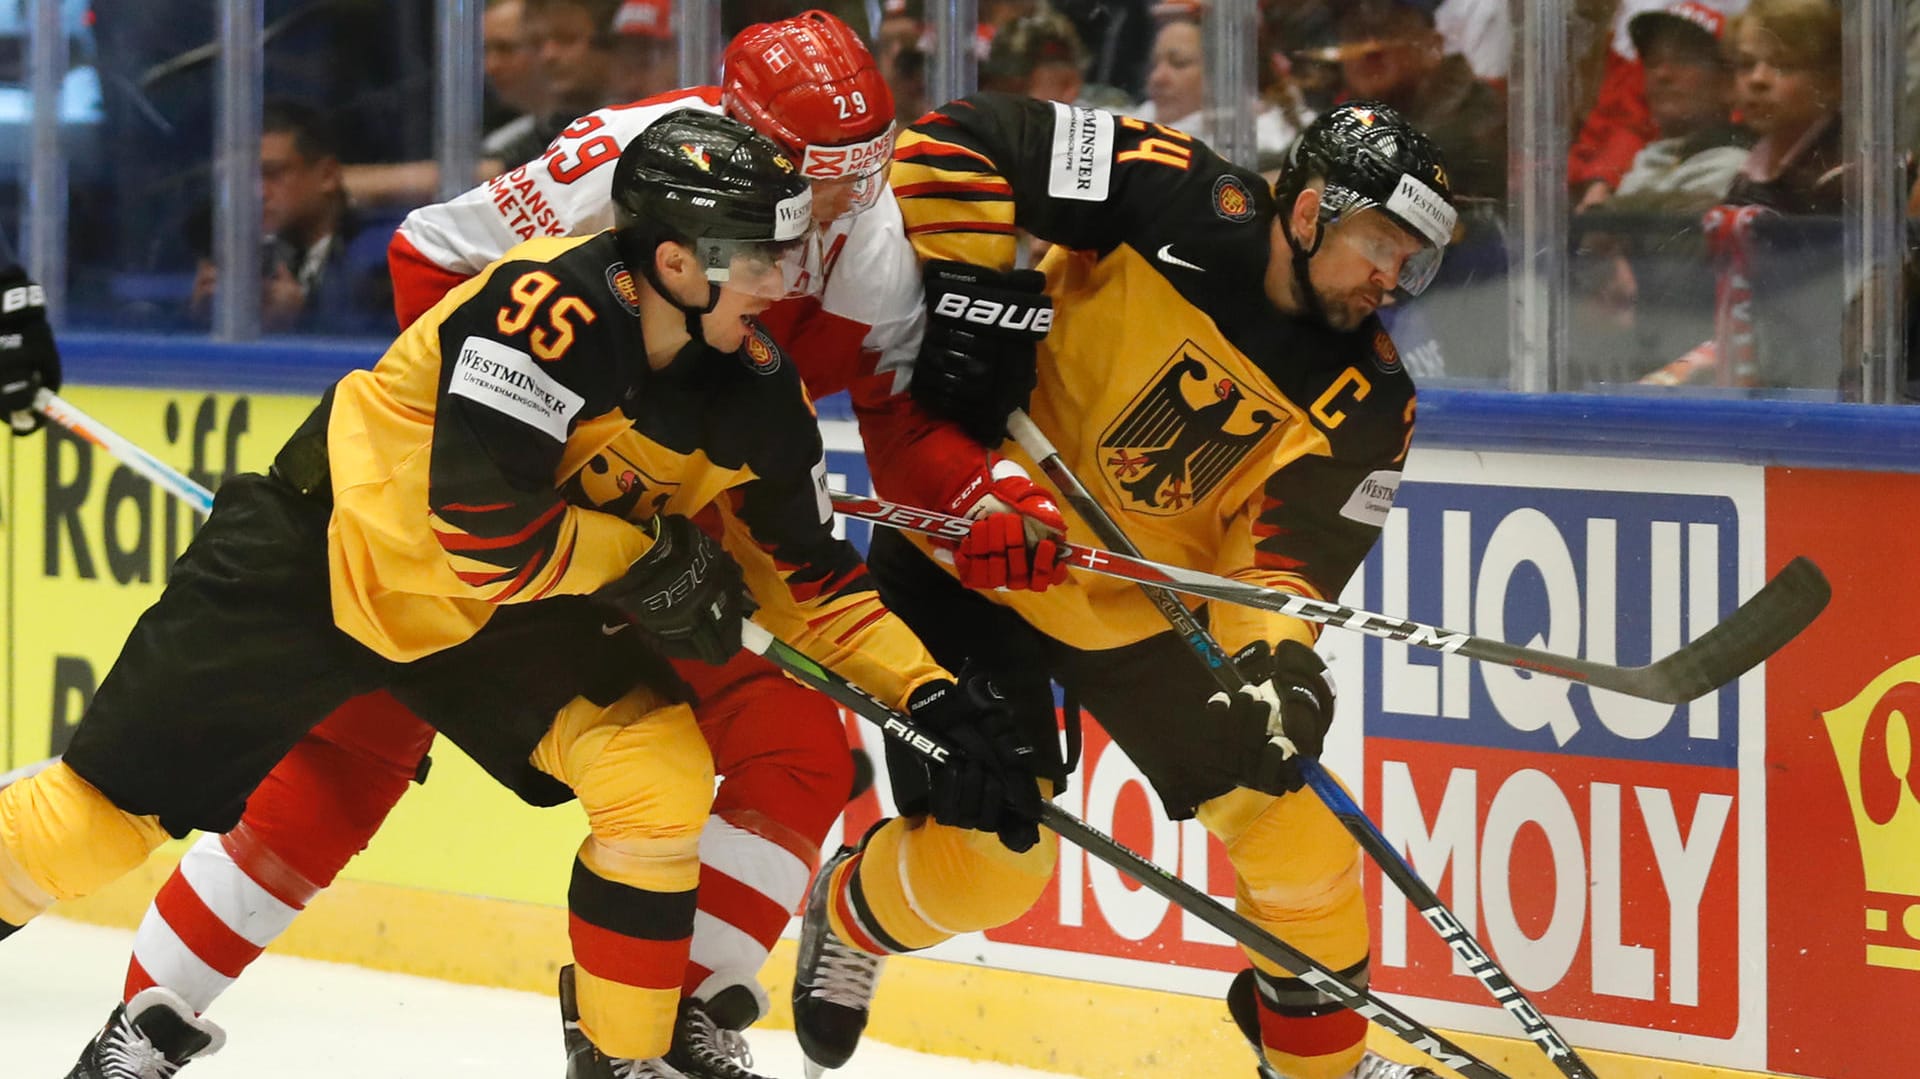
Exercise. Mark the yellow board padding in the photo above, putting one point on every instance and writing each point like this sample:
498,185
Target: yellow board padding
1028,1020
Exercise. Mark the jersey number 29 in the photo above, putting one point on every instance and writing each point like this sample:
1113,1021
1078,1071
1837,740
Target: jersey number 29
587,156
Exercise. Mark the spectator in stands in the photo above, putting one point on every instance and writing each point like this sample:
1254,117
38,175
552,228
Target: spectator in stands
1787,87
646,58
516,88
1040,55
1688,166
901,57
325,267
133,256
512,117
573,46
1391,52
1303,48
1689,92
1609,94
1117,35
1177,87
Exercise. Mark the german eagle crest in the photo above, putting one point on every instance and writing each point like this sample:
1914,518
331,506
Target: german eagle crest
615,481
1183,435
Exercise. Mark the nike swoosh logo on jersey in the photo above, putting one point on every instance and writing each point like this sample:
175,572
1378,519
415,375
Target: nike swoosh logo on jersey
1165,254
610,630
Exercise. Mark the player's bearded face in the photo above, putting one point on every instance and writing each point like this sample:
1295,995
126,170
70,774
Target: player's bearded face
1357,267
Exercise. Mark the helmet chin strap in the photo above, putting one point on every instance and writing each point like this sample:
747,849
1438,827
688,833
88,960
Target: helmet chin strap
691,312
1309,299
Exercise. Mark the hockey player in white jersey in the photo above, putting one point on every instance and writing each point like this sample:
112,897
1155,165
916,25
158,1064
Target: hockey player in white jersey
808,83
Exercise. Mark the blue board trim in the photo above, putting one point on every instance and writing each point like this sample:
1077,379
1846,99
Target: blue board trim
1681,426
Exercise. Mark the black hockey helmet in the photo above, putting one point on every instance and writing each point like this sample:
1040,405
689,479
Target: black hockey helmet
1372,158
714,184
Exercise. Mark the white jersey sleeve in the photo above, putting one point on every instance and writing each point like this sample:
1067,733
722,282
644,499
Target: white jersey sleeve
563,192
873,279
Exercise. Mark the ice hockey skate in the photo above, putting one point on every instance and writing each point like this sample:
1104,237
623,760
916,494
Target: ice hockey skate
150,1037
707,1038
832,984
586,1061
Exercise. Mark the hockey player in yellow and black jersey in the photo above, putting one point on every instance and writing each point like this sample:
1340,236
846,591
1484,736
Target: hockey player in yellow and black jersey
1216,375
478,525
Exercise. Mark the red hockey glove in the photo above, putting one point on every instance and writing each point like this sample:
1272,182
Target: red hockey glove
1016,528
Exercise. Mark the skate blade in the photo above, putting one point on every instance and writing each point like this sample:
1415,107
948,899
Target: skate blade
812,1070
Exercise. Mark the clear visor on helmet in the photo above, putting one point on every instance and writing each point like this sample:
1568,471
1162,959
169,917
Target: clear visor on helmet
1419,269
1419,210
1411,270
854,172
1427,214
770,269
835,200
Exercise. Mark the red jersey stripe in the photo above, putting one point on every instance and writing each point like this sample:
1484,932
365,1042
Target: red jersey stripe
467,541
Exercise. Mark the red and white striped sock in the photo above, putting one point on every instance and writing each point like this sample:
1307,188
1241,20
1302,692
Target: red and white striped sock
229,899
753,874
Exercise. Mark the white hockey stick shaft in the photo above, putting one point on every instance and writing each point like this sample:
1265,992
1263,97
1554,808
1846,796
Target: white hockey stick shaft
177,483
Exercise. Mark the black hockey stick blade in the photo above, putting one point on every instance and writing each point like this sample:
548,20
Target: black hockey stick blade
1755,630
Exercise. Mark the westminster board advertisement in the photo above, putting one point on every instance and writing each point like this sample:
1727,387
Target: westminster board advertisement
1707,881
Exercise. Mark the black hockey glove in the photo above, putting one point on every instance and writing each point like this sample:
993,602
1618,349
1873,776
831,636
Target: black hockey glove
1279,718
977,363
686,591
989,783
28,360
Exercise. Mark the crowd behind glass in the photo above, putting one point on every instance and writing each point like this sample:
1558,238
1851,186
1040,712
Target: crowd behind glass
1706,151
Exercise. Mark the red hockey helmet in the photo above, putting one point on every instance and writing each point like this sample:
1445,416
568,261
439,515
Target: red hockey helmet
809,83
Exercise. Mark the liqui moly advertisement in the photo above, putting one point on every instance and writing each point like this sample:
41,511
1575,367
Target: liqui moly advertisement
1608,851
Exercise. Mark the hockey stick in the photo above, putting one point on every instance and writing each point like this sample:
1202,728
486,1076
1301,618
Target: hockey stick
172,480
902,730
1755,630
1364,831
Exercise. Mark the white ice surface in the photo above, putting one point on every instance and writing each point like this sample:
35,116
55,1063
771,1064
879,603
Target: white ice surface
300,1019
